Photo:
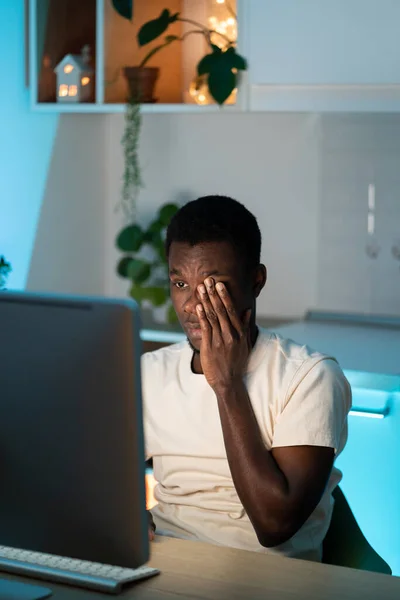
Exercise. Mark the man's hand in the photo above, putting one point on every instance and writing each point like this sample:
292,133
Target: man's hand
225,343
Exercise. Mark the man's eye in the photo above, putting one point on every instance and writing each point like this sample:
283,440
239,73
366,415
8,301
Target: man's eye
180,285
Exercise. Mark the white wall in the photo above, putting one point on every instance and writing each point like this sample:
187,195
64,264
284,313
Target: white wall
26,141
268,162
70,252
305,177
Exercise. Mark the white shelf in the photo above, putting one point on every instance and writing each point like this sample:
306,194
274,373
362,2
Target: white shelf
98,108
101,107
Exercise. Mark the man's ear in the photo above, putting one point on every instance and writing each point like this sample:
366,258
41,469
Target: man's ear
260,279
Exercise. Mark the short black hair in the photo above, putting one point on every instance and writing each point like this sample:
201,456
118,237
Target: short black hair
217,219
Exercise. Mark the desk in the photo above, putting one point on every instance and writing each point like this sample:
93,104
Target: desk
197,571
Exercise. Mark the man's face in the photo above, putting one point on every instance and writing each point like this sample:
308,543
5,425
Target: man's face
189,266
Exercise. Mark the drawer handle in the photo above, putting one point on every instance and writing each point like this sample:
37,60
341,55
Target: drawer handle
371,413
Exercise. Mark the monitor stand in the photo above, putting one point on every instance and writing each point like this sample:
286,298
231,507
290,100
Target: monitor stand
14,590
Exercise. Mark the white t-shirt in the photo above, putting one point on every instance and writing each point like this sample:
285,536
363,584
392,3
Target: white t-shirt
299,397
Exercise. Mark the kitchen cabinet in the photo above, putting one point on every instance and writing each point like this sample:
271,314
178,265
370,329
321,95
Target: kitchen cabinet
319,55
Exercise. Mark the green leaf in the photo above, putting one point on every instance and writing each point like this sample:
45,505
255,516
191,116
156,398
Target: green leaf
171,38
221,83
137,293
156,295
209,61
167,212
122,267
219,67
171,315
154,28
139,270
155,227
124,8
159,247
205,65
130,239
236,61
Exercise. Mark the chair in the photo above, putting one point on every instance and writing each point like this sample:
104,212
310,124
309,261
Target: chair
345,544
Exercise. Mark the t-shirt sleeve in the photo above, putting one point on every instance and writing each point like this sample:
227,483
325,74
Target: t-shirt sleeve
315,409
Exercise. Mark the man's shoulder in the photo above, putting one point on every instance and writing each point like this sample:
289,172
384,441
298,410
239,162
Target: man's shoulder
288,351
163,357
290,360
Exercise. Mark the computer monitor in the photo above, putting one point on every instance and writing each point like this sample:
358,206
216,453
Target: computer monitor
71,434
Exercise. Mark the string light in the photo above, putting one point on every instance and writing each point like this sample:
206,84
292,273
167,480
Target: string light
198,90
224,29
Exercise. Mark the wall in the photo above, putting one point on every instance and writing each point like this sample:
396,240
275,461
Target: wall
69,250
268,161
26,142
305,177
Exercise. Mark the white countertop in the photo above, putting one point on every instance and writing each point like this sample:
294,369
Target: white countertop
358,348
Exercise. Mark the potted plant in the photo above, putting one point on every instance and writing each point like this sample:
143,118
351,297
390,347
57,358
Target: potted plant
219,68
5,270
144,261
220,65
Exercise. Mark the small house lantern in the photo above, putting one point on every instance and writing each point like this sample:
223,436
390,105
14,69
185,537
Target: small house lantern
75,78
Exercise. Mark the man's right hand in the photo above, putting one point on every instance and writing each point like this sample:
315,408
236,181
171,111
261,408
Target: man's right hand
152,527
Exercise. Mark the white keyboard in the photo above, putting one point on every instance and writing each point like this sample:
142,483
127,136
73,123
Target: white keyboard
60,569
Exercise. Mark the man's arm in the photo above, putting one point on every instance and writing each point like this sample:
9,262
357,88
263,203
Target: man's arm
279,489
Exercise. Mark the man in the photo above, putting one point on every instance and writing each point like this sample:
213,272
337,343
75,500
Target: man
242,425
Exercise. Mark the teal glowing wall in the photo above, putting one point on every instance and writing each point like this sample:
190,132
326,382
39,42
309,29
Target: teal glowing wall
26,142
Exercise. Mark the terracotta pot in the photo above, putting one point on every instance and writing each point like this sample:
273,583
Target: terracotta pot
141,82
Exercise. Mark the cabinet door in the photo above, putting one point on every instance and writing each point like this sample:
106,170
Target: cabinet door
319,43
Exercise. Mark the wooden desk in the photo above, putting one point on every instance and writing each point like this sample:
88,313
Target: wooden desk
197,571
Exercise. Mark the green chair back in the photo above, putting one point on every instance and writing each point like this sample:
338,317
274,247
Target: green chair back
345,544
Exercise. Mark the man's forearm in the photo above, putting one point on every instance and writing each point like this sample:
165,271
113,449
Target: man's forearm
261,486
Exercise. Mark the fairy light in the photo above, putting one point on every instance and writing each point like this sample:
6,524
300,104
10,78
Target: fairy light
224,28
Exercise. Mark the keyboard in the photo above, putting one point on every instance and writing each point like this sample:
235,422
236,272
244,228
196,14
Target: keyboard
61,569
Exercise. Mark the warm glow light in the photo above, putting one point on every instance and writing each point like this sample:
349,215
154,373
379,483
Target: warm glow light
85,80
199,92
73,90
68,68
223,29
223,26
63,90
